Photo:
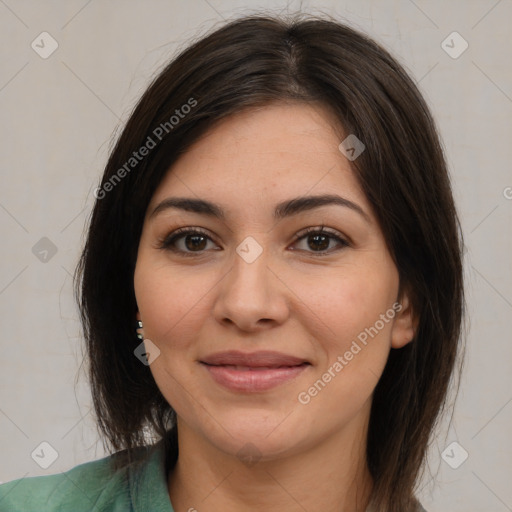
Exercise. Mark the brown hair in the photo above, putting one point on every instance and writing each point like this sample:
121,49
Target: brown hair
254,61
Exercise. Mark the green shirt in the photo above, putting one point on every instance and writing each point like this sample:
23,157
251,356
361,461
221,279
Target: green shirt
95,487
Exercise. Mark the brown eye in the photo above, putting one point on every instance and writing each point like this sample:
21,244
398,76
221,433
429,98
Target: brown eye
195,242
318,240
187,241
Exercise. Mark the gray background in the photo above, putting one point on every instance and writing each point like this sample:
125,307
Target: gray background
59,116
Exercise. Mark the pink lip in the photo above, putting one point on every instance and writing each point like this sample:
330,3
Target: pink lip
254,372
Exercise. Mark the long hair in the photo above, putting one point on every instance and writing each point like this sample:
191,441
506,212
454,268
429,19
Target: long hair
255,61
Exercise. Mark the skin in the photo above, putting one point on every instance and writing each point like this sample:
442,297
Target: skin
294,298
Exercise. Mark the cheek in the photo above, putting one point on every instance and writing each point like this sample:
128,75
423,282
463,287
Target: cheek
351,302
172,306
354,339
171,302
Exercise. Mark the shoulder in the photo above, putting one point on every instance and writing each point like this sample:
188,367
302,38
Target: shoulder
94,486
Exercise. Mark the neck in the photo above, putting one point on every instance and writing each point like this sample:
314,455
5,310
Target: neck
329,476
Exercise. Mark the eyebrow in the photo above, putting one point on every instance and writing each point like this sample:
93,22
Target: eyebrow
282,210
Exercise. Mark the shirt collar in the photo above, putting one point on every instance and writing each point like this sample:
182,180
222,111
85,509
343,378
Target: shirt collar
148,482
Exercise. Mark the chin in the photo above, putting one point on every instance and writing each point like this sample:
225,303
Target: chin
257,434
252,445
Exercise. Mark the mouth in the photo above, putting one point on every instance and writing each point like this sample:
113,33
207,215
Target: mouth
255,372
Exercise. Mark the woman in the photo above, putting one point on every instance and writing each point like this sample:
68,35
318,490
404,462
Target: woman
271,287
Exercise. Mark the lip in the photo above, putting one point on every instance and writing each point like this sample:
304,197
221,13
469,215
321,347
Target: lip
253,372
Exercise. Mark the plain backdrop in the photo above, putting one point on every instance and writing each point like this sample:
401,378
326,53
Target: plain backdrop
59,115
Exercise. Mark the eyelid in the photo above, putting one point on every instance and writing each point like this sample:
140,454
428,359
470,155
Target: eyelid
324,230
166,242
342,240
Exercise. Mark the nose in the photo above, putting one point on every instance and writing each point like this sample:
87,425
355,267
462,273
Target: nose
251,296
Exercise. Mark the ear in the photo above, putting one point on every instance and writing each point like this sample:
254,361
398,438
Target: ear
406,323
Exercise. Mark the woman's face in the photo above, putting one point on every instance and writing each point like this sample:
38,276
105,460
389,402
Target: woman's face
269,332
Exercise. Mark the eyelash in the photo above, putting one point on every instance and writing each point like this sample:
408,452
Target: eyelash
168,242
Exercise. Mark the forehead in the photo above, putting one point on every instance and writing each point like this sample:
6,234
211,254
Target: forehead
278,150
293,128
